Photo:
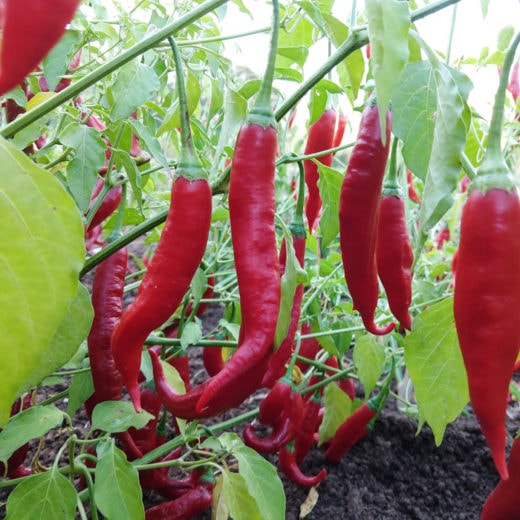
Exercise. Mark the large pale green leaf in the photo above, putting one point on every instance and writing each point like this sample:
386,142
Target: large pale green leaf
369,358
134,85
236,499
70,333
414,105
42,496
262,483
42,252
329,185
116,490
452,121
89,157
26,425
434,361
388,26
338,407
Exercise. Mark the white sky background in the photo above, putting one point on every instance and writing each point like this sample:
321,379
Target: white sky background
471,34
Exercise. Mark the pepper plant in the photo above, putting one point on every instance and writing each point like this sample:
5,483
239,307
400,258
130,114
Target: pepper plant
145,177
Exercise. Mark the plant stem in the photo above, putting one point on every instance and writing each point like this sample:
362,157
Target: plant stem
107,68
452,31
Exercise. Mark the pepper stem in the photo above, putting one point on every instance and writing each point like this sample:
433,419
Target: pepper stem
297,226
493,161
189,164
391,185
261,113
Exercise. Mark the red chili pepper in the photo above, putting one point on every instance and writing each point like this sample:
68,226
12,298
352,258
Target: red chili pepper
193,502
412,192
442,236
464,183
283,432
359,213
516,368
340,130
272,406
394,252
502,503
514,83
292,471
30,30
487,294
213,360
110,203
309,347
305,437
145,438
176,259
107,301
64,82
320,138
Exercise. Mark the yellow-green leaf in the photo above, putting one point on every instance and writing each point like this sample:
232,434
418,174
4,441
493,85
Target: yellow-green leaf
435,365
338,407
42,252
369,358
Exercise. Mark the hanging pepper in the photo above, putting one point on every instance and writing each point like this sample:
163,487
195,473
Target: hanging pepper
502,503
176,259
292,471
284,430
272,406
305,437
357,425
252,212
487,291
393,251
107,301
30,29
359,214
320,138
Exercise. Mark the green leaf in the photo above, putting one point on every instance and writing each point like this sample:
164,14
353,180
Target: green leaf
123,158
34,422
117,491
68,336
88,159
191,334
388,26
262,483
452,122
414,105
351,72
326,342
435,365
329,185
118,416
484,4
150,141
57,61
369,358
217,99
80,389
338,407
235,108
236,498
134,85
43,495
39,269
297,54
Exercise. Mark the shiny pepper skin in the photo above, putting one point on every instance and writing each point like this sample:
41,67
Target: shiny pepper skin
168,277
359,214
30,29
395,257
321,137
502,503
486,303
251,213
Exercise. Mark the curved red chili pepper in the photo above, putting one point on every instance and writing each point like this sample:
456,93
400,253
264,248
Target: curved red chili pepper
30,30
168,277
320,138
188,505
395,257
274,403
359,214
487,295
251,210
283,432
107,300
213,360
502,503
292,471
305,436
